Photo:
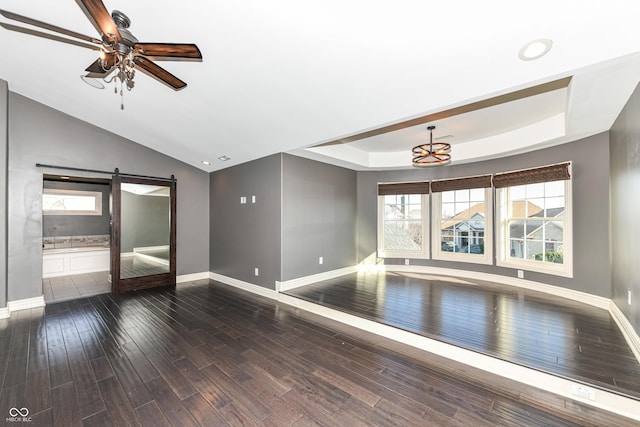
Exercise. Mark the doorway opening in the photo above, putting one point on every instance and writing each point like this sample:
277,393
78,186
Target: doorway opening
76,233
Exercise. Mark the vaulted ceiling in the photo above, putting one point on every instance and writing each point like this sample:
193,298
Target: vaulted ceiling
365,76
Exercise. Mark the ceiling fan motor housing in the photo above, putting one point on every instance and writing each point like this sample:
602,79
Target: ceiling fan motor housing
127,41
121,20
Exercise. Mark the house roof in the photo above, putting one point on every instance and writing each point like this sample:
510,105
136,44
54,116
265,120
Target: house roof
398,241
465,215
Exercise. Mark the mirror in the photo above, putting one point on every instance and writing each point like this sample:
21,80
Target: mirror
143,255
145,230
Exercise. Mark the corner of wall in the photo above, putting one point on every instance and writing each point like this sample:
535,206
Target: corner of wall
4,150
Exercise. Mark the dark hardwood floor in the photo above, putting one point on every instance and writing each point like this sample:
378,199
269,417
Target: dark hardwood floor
555,335
211,355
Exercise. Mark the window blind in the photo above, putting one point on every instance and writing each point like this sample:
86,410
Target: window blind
403,188
532,176
481,181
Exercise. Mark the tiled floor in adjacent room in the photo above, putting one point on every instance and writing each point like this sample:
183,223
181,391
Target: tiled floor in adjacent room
64,288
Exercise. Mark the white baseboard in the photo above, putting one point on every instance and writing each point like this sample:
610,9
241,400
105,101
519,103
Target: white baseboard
626,328
151,248
5,313
24,304
307,280
152,259
183,278
551,383
249,287
582,297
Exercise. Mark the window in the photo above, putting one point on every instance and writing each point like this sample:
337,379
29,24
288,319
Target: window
71,202
462,219
402,217
535,222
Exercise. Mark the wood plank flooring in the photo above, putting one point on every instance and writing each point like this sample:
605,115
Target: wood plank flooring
555,335
210,355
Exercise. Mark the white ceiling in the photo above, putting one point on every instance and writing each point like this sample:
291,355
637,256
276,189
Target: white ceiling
283,75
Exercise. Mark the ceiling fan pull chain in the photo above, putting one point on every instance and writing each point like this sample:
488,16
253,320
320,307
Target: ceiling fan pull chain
121,95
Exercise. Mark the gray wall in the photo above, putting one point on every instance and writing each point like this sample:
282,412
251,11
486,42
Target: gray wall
39,134
247,236
144,221
77,225
4,119
318,217
590,190
304,210
625,206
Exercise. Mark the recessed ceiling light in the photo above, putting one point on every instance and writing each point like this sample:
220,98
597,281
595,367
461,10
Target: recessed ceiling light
224,158
92,82
205,162
535,49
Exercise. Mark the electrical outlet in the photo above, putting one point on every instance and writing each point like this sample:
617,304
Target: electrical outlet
520,274
406,261
253,199
243,200
583,392
321,260
257,272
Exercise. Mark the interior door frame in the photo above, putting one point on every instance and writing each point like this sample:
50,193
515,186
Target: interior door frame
118,284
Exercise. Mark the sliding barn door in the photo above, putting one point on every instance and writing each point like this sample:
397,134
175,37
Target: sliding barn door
143,233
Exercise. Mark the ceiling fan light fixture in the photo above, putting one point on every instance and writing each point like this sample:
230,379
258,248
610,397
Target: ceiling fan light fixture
92,82
431,154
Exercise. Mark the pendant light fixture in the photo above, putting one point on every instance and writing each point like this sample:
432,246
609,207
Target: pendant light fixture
431,154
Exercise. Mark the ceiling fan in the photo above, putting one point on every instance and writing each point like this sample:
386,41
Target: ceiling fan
120,52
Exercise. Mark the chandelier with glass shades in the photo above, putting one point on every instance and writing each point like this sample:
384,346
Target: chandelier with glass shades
431,154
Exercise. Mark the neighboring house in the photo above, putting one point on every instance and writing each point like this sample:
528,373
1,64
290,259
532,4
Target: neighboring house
549,234
464,230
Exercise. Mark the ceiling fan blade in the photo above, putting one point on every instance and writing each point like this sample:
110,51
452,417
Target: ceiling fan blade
36,33
169,51
101,19
101,67
44,25
148,67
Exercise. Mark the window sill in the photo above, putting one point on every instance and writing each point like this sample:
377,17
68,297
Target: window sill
460,257
408,254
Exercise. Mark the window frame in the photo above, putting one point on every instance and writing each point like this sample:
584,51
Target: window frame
97,195
503,258
423,253
436,247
